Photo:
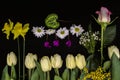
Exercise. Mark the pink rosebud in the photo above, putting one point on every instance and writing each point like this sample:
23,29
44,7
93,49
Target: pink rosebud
104,15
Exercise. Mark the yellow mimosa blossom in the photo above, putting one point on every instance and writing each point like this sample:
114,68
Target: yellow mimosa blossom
19,30
7,28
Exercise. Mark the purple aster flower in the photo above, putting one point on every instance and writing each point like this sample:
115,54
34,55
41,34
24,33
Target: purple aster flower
68,43
47,44
56,43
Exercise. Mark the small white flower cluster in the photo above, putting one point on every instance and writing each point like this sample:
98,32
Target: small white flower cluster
87,36
62,32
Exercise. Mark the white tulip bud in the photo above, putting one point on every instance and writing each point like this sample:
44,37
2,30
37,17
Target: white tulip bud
30,60
11,59
80,61
70,61
113,49
56,61
45,64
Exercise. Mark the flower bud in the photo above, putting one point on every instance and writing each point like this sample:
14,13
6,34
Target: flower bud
11,59
45,63
113,49
104,15
70,61
30,60
80,61
56,61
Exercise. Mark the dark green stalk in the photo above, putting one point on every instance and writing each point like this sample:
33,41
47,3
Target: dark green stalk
18,59
23,59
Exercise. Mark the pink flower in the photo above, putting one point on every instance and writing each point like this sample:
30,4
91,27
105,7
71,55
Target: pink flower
68,43
104,15
47,44
56,43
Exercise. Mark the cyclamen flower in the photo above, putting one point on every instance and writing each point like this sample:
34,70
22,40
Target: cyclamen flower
38,31
76,30
56,43
68,43
50,31
47,44
62,32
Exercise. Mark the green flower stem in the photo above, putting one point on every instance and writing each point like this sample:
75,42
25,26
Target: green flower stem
23,59
18,59
48,75
103,27
29,74
57,71
11,72
102,31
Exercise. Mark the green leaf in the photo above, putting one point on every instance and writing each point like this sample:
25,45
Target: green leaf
35,75
65,74
57,77
92,62
74,74
41,73
109,34
5,75
14,76
106,65
83,74
51,21
115,67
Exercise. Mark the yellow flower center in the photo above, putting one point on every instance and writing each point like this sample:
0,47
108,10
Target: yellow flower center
39,30
62,32
77,29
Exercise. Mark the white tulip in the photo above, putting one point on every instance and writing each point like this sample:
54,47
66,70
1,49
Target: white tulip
30,60
70,61
80,61
113,49
56,61
45,64
11,59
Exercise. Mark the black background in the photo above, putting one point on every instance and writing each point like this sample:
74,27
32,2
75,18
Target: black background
34,12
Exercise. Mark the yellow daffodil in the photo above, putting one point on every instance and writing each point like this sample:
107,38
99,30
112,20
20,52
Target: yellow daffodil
7,28
18,30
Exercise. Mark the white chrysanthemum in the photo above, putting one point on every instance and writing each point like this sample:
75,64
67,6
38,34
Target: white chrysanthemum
50,31
62,32
76,30
38,31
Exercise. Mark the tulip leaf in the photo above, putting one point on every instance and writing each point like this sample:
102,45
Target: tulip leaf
57,77
66,74
5,74
41,73
106,65
14,76
115,67
92,62
35,75
74,74
83,74
109,34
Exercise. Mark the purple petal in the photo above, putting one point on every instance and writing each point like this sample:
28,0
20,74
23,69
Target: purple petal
47,44
68,43
56,43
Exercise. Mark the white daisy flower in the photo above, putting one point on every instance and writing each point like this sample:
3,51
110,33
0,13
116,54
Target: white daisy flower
38,31
76,30
50,31
62,32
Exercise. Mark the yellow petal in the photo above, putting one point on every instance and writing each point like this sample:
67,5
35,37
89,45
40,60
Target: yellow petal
17,30
25,30
7,28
